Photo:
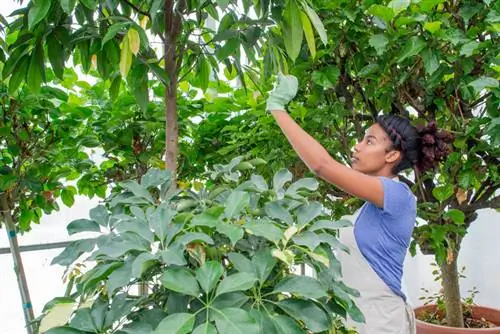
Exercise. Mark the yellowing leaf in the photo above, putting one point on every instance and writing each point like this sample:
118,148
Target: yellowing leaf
125,56
461,195
308,31
286,256
290,232
144,22
58,315
134,40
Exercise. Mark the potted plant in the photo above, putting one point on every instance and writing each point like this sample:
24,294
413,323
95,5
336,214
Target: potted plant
477,319
216,259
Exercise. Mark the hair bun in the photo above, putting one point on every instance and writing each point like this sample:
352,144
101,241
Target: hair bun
435,145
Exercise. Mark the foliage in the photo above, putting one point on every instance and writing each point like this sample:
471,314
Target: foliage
45,147
217,259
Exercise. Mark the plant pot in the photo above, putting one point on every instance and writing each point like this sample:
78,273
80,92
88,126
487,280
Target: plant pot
478,312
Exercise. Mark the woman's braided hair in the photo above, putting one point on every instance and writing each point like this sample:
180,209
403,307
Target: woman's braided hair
423,147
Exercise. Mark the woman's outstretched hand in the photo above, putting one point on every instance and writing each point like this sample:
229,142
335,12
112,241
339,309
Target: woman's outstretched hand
283,93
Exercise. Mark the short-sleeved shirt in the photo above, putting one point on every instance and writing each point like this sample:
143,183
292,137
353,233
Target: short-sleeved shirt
383,234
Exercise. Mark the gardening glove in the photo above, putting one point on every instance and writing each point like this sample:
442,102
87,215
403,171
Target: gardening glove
283,93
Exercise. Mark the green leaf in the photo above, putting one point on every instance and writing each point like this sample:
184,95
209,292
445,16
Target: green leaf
36,69
204,219
223,4
457,216
308,32
208,275
301,285
432,27
195,236
156,177
233,232
286,325
68,5
306,311
174,255
235,320
411,48
100,215
161,223
355,313
483,82
327,77
308,183
398,6
142,263
308,212
329,225
236,282
292,29
442,193
431,60
469,48
56,54
137,190
276,211
113,30
203,73
139,227
241,263
90,4
68,197
205,328
265,229
37,12
82,320
19,74
235,203
383,12
229,48
264,263
180,280
120,277
177,323
82,225
73,251
379,43
318,25
281,178
138,83
64,330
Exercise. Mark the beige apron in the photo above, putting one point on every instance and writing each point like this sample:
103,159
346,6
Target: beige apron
384,311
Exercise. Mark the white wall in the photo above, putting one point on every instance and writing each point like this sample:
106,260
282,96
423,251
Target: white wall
479,254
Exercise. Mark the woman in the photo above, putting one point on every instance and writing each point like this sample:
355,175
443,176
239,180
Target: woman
381,235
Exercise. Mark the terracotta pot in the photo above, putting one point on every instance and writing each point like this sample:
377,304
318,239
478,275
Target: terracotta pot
478,312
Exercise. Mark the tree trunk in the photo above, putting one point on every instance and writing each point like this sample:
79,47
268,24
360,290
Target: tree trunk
172,127
451,287
18,264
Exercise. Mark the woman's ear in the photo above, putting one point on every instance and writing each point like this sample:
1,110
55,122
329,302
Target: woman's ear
392,156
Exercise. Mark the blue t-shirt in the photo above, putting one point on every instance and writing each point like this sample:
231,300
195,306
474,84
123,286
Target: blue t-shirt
383,234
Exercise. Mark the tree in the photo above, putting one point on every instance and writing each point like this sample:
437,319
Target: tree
217,259
114,37
432,60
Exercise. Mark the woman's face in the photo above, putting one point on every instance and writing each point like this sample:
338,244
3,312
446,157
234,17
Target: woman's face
372,155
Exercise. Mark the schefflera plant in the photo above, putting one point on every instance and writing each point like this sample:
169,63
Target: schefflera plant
220,259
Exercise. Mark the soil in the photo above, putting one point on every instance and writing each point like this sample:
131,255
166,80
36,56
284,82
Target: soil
438,318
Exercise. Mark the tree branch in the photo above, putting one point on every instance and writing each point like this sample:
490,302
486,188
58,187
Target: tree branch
137,9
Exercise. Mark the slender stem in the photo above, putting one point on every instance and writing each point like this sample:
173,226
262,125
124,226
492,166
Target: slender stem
18,264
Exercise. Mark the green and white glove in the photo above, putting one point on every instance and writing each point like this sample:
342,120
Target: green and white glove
283,93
